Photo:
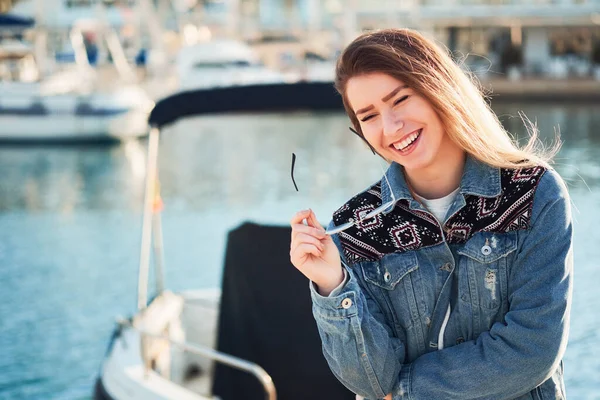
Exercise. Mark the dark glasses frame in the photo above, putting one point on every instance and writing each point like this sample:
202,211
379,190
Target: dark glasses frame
366,216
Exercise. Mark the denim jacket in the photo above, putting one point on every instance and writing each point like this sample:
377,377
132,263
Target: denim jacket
502,260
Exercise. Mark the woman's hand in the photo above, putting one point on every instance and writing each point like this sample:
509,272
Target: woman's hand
314,253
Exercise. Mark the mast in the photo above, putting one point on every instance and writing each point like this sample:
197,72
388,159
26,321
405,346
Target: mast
40,45
233,18
156,33
350,21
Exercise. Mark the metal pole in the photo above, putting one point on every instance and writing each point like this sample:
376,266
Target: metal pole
350,21
154,25
233,18
118,55
159,255
235,362
314,19
81,56
40,39
151,172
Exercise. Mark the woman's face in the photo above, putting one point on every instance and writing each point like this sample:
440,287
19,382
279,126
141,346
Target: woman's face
398,123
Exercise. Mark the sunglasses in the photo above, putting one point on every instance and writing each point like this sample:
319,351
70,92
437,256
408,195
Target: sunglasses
365,215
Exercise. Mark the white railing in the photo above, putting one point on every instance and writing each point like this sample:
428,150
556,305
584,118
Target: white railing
229,360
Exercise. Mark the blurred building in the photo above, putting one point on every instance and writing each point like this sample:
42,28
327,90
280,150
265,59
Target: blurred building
547,37
535,37
63,13
6,5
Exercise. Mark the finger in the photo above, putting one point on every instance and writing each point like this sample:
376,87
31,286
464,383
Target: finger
294,246
299,255
306,238
309,230
299,217
312,220
309,237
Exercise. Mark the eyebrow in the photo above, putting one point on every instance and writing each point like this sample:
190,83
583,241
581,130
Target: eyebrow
384,99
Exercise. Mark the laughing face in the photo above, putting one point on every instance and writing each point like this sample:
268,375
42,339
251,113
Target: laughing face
399,123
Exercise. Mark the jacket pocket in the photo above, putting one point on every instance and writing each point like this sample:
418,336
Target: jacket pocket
395,287
389,271
485,261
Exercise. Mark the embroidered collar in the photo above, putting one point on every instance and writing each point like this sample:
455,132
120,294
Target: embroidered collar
493,200
478,179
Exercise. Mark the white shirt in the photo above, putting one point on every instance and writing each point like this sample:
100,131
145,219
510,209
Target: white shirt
439,209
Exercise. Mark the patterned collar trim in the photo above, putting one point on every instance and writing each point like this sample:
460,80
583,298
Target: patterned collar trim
479,179
405,228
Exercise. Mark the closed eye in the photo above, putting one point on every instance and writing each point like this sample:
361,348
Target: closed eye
400,100
368,117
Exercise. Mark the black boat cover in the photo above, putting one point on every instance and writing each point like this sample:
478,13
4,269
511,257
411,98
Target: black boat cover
266,318
276,97
15,21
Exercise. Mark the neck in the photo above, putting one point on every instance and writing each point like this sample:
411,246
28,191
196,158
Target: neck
437,180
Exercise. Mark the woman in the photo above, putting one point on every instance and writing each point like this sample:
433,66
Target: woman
461,289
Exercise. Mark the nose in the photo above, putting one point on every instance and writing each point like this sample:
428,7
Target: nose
391,124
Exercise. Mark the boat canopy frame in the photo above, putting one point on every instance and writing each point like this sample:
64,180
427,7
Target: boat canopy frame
242,99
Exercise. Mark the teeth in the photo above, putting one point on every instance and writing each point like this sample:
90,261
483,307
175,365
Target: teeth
404,143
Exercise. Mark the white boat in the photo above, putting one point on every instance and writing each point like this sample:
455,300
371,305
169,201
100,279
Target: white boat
76,103
174,346
29,112
221,62
142,362
299,60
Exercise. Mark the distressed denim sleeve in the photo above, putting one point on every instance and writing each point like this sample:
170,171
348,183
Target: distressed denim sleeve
513,357
359,347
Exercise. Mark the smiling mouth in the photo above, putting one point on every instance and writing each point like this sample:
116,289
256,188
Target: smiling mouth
406,144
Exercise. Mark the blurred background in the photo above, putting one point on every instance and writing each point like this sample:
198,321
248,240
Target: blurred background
78,79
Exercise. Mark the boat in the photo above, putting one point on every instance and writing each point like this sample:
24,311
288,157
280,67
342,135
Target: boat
298,59
219,63
12,25
74,103
249,338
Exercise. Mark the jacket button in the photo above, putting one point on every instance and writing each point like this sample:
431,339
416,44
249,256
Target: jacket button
486,250
346,303
460,340
387,276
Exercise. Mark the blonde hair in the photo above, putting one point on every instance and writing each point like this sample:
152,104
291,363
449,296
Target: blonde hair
457,99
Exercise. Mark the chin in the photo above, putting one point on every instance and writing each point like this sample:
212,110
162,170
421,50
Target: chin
421,161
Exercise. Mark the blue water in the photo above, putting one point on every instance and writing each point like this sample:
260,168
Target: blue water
70,222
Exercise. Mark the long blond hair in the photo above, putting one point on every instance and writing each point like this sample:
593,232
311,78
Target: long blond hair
456,97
